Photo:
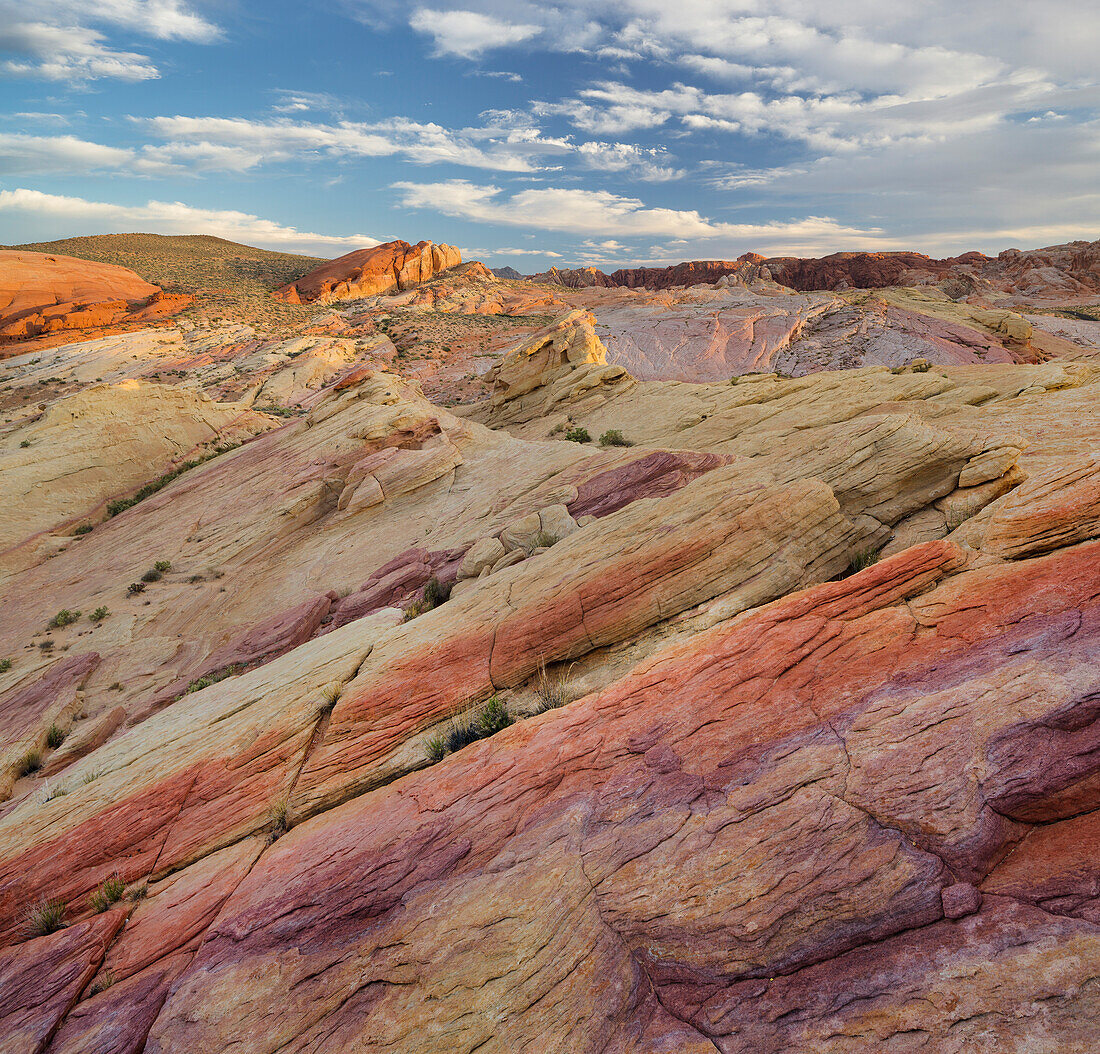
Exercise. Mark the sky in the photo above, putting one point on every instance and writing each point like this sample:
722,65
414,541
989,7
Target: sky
535,133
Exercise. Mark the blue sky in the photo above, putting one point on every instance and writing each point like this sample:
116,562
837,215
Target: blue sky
566,132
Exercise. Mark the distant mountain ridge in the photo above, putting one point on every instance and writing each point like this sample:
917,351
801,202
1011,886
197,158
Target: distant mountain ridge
1072,269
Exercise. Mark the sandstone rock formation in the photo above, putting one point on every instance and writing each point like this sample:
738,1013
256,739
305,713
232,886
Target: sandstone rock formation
795,745
104,442
1056,272
41,294
368,272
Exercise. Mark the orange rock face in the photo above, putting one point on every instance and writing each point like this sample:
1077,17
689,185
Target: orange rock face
42,294
390,267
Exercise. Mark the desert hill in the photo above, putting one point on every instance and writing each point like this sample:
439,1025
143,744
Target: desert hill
187,262
483,664
227,279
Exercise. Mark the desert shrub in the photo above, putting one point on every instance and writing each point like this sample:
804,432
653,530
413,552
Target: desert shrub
152,575
5,665
99,614
55,737
64,617
48,793
109,891
436,747
47,916
957,517
134,588
493,718
85,528
101,984
30,762
553,691
122,504
278,817
211,678
90,777
613,437
26,442
469,727
864,558
435,592
415,609
138,892
576,434
163,566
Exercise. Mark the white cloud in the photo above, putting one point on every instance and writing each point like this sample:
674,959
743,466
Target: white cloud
34,153
59,40
515,252
67,53
507,142
469,34
599,213
78,215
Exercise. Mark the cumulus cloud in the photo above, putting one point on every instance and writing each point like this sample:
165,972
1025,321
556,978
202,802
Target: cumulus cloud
469,34
78,215
507,142
65,40
601,213
35,153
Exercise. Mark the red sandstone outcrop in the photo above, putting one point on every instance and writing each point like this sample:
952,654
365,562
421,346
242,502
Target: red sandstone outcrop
392,266
42,294
1060,271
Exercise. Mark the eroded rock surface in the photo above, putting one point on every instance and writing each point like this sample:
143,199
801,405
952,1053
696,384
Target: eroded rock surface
367,272
801,749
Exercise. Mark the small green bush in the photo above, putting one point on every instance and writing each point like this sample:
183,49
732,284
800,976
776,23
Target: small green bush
436,593
47,916
100,614
26,443
613,437
492,717
151,576
864,559
163,566
5,665
101,984
110,890
134,588
578,435
55,737
437,747
64,617
212,678
85,528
